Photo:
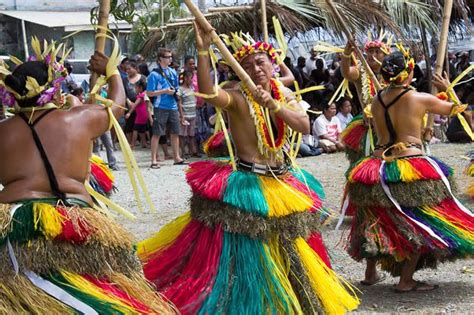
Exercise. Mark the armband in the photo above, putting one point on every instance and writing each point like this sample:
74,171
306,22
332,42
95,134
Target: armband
115,72
277,108
203,53
457,109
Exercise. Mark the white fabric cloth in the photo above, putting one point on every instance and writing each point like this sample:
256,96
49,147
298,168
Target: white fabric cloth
310,65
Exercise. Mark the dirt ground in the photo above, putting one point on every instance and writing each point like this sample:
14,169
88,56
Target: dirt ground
455,294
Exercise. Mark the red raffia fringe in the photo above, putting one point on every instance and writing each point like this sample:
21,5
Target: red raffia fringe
208,178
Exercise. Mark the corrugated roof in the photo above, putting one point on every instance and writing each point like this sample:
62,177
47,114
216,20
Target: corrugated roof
71,21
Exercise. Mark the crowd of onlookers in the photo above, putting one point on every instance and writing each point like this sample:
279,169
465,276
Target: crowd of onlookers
163,112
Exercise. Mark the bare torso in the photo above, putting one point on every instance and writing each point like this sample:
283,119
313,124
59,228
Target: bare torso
66,137
244,132
406,116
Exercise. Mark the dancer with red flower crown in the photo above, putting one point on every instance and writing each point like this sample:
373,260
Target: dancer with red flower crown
250,244
406,215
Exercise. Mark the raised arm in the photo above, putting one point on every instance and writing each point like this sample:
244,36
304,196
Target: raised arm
287,77
223,98
94,117
434,104
348,70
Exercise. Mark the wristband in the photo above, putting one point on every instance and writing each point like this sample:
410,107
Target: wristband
346,56
203,53
229,98
277,108
115,72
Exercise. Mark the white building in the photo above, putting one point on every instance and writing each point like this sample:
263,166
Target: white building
50,19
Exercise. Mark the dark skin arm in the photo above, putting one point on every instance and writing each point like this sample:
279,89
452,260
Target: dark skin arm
94,117
223,98
349,71
287,77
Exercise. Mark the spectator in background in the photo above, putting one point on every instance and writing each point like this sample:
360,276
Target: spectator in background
143,69
122,68
142,116
68,84
310,64
309,146
463,63
300,65
455,132
295,72
344,114
327,129
133,77
79,93
188,122
163,83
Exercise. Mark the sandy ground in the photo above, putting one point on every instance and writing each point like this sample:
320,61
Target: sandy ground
170,193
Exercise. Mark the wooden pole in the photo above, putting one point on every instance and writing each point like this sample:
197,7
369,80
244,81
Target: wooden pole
104,9
263,8
440,54
231,9
426,52
226,54
351,40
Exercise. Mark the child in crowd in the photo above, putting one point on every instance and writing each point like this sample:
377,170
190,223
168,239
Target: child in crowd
188,121
142,115
344,115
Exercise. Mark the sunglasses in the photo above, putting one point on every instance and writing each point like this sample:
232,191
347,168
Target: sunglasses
167,57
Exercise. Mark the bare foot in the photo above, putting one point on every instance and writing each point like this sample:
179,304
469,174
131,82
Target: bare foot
373,280
416,286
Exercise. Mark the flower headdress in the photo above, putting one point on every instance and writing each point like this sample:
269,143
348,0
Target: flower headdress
379,42
409,65
244,45
56,74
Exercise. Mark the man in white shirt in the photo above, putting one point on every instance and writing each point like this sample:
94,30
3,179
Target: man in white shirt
311,62
327,128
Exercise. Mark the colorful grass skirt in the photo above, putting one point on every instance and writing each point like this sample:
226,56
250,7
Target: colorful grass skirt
356,138
101,178
215,145
249,245
470,172
404,207
68,260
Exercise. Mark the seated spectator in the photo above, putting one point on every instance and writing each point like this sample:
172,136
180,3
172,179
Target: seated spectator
309,146
327,128
344,114
455,131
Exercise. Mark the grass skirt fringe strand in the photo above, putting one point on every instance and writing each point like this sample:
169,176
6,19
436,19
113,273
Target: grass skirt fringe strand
354,137
101,177
66,259
470,171
215,145
404,207
249,245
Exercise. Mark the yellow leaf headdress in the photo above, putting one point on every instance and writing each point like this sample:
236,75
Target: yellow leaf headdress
244,45
409,66
56,73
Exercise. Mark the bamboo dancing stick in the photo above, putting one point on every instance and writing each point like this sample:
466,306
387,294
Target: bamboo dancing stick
440,55
351,40
104,9
226,54
263,8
